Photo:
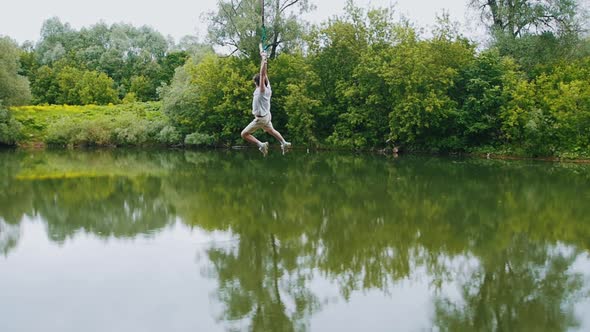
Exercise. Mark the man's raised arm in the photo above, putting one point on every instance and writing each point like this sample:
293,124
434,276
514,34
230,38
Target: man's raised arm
263,71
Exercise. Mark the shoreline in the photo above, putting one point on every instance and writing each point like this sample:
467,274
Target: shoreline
386,151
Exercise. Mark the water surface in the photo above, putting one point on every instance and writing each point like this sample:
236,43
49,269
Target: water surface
231,241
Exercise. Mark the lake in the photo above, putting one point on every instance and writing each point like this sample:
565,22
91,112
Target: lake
152,240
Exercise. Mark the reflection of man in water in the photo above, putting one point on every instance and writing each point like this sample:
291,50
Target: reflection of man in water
261,110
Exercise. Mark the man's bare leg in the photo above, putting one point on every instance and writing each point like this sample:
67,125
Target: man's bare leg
276,134
263,147
248,137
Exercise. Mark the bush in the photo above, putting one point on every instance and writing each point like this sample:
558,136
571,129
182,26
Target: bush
169,136
61,132
198,139
120,129
10,129
551,114
125,124
68,131
129,129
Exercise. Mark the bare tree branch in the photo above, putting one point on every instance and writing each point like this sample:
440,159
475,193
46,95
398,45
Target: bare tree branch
287,4
232,53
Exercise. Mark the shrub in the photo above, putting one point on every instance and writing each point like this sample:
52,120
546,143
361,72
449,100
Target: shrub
551,114
198,139
121,129
129,98
129,129
61,132
169,136
10,129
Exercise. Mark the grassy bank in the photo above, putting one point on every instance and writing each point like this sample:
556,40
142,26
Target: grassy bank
92,125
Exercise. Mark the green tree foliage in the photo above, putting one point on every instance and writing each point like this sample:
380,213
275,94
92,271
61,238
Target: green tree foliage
519,17
180,100
293,104
140,86
533,32
199,140
10,129
237,25
551,114
335,49
45,87
374,71
138,60
483,87
212,97
14,88
77,87
169,63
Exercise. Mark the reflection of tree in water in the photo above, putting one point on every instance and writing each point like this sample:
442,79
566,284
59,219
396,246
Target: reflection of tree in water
116,206
366,232
361,222
15,199
9,236
263,280
86,191
260,288
524,287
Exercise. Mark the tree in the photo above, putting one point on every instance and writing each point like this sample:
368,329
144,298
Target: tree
14,88
67,80
482,89
56,39
96,88
336,49
170,62
82,87
211,97
140,86
121,51
44,86
534,32
237,25
519,17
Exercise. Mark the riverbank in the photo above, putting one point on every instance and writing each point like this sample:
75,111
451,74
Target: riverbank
144,124
387,152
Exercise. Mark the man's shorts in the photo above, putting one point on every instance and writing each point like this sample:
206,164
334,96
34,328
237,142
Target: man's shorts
259,123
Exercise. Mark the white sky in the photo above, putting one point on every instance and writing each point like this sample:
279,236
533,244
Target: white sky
22,20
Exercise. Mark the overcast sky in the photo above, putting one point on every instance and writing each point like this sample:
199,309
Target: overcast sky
22,20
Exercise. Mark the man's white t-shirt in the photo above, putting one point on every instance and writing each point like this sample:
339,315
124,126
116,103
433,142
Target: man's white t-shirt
261,102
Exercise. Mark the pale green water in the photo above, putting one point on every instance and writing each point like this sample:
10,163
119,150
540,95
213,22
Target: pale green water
216,241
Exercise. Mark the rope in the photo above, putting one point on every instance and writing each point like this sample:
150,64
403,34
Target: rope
263,34
264,45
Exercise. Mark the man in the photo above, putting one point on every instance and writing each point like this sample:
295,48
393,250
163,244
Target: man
261,110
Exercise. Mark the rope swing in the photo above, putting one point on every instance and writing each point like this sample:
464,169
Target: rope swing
263,46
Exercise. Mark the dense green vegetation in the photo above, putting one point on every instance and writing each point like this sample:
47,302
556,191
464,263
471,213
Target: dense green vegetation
92,125
360,81
99,65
